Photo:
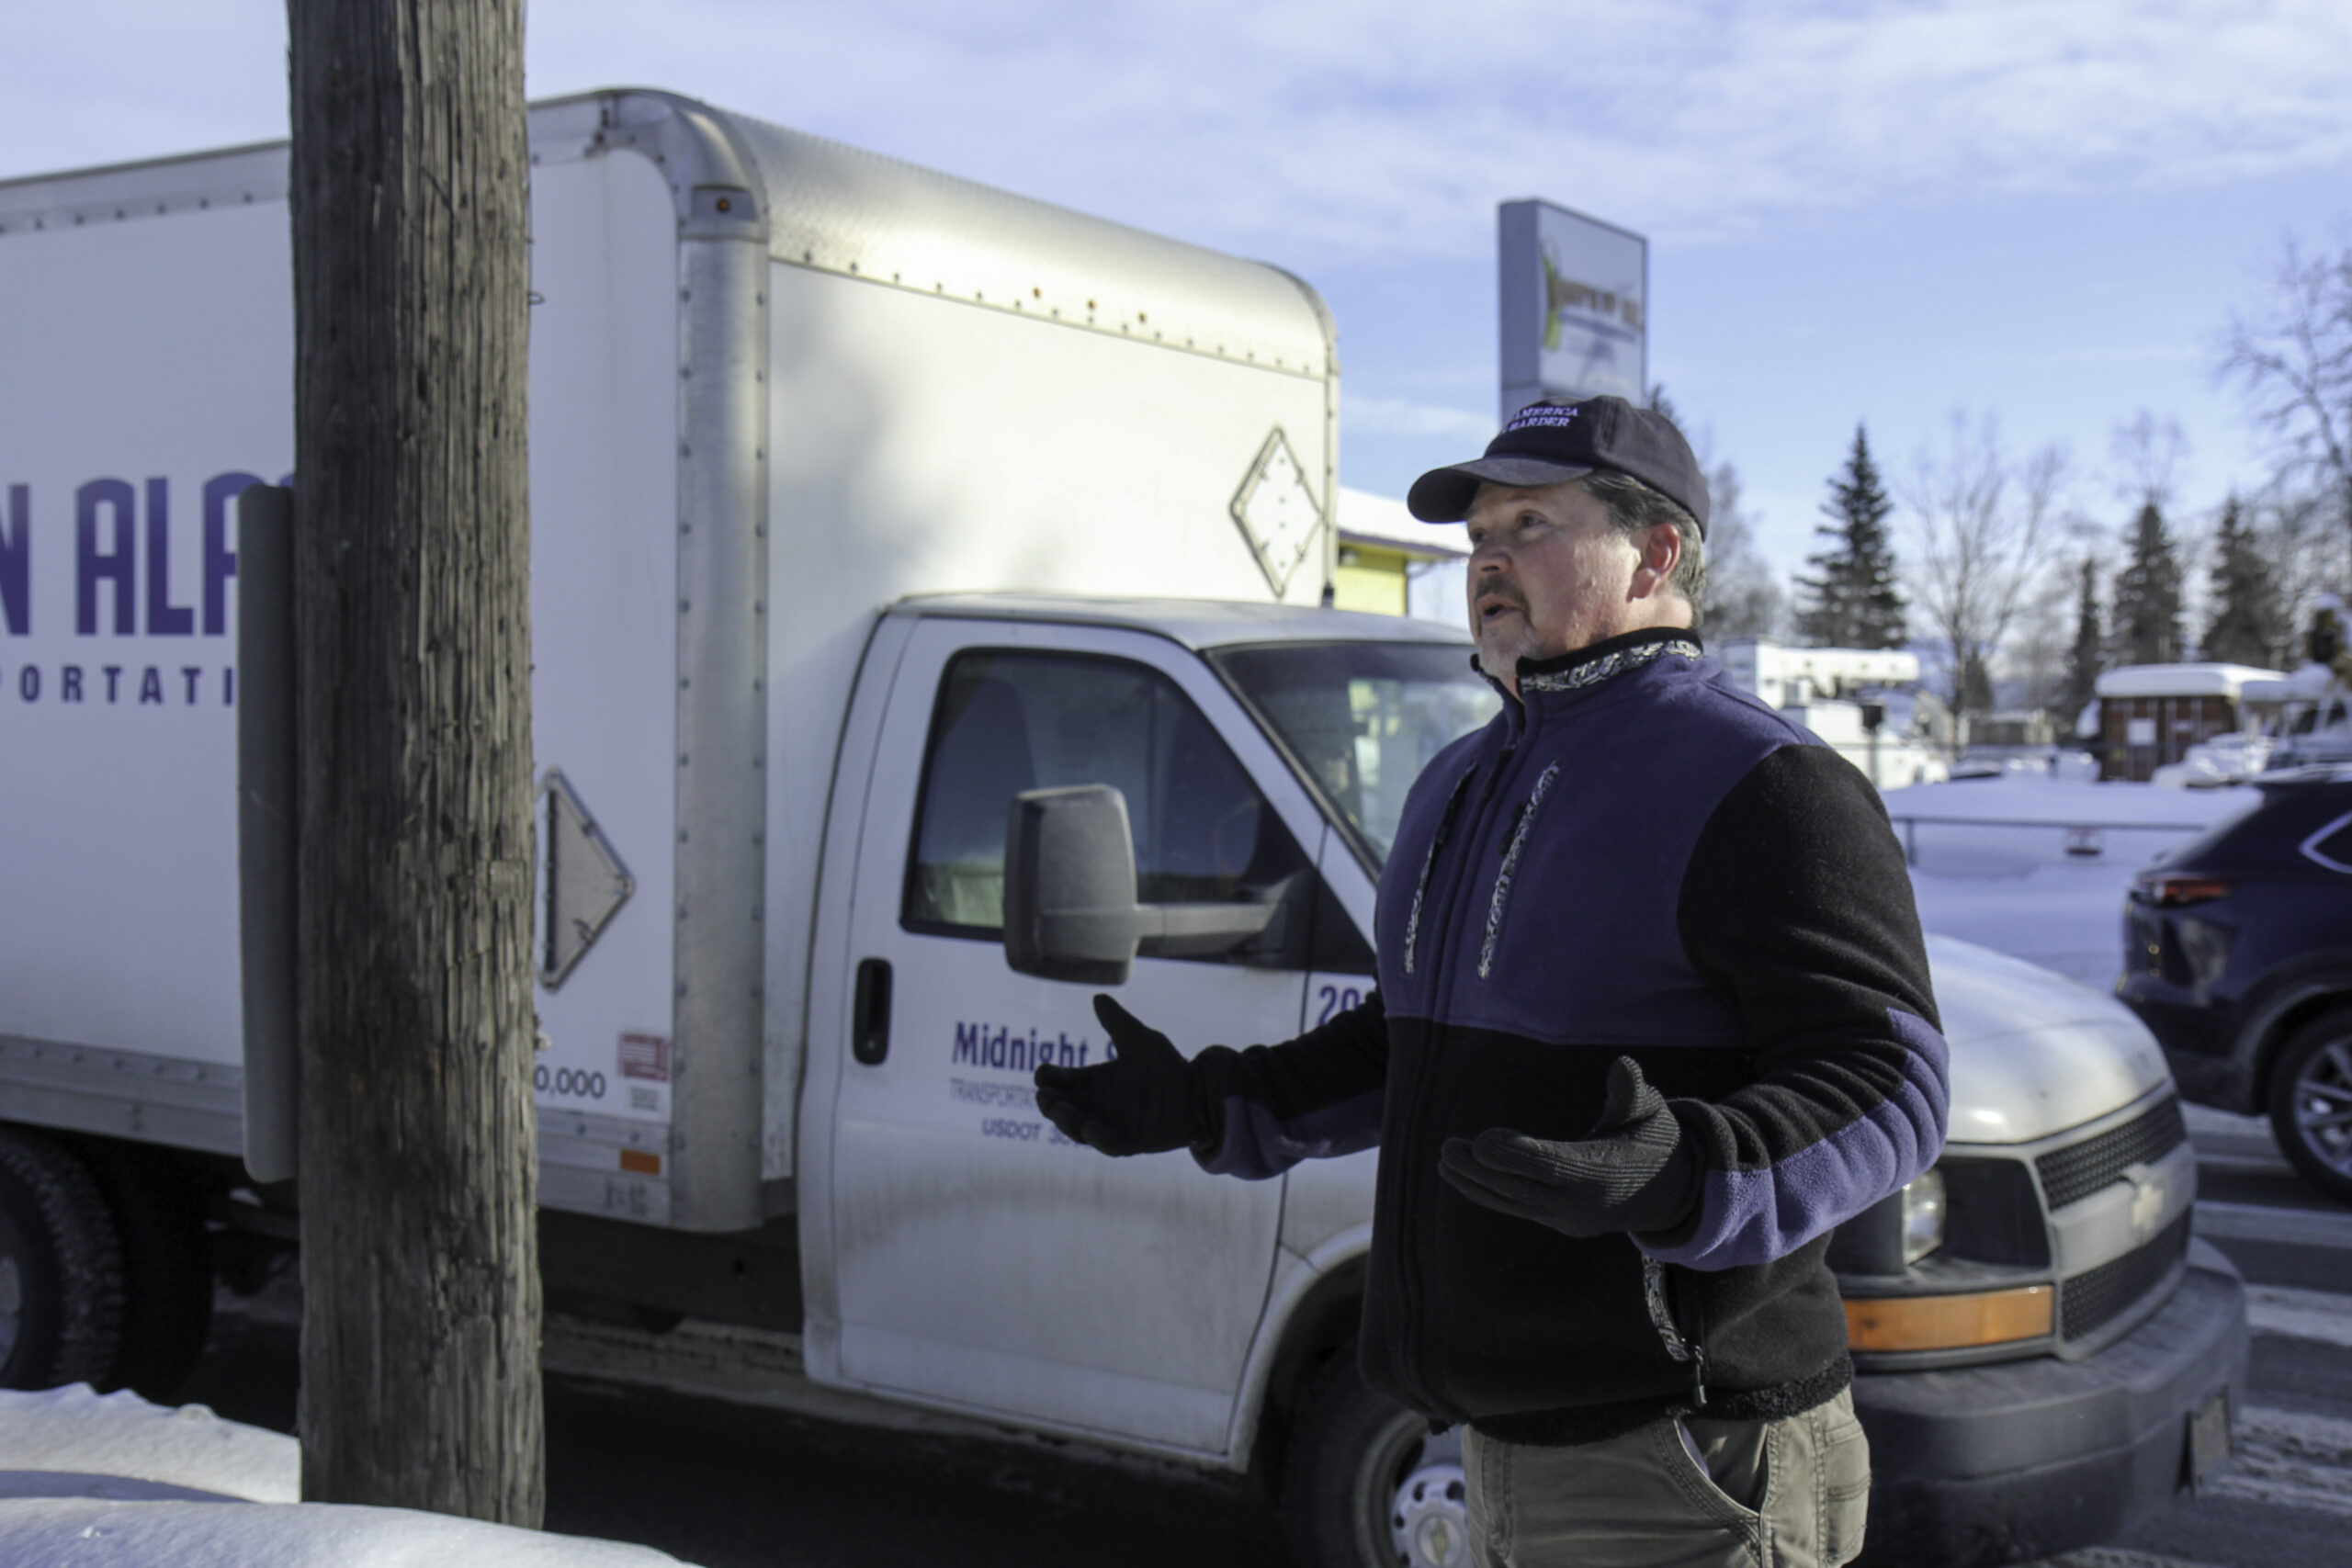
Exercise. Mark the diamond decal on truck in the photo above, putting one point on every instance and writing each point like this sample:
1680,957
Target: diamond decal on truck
585,882
1277,511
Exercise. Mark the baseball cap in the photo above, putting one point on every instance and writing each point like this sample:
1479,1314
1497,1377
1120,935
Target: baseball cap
1552,443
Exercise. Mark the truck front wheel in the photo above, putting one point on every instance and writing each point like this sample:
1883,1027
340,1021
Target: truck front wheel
1367,1486
61,1268
2311,1103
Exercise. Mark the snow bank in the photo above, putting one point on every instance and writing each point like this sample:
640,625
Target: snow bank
2065,917
133,1450
91,1481
2036,867
88,1532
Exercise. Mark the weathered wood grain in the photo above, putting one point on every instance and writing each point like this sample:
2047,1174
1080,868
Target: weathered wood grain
419,1353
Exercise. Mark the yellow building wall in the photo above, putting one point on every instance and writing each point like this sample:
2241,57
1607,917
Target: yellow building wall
1369,579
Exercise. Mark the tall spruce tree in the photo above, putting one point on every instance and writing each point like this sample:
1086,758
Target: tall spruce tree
2249,625
2089,654
1852,600
2147,594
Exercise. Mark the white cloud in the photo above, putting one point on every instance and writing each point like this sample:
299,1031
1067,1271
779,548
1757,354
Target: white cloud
1319,129
1395,126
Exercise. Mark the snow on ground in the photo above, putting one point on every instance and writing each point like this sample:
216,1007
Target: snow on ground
2036,867
91,1481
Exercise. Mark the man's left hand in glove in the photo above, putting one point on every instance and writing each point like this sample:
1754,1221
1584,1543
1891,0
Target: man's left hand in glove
1632,1172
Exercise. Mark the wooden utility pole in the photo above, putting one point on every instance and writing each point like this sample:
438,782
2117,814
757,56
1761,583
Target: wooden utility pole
418,1160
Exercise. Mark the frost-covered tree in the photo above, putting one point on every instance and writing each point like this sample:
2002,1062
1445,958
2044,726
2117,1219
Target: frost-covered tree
1744,599
1850,598
2293,358
1981,522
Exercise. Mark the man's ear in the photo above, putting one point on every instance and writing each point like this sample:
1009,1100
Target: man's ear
1661,552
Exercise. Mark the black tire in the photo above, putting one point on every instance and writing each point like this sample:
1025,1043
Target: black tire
158,1203
2311,1103
61,1268
1361,1468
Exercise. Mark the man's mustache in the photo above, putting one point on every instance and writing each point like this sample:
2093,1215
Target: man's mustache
1501,588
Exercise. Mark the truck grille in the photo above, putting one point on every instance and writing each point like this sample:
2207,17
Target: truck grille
2091,1300
2083,1168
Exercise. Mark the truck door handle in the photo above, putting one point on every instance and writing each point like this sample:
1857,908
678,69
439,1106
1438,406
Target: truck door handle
869,1039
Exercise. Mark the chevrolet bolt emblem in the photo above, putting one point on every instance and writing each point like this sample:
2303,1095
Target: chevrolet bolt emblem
2148,1196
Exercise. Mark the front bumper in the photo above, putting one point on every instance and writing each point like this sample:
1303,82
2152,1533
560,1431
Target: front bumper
2024,1459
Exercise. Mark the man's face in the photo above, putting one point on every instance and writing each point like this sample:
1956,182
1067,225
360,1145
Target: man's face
1549,573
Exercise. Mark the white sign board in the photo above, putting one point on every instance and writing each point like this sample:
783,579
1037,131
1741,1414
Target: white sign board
1574,311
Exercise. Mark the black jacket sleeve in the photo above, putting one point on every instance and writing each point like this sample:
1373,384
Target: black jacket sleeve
1271,1106
1796,904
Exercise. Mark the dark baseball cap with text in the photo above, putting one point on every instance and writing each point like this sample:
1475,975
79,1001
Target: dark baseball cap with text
1553,443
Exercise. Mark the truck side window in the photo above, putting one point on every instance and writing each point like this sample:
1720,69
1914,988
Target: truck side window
1014,721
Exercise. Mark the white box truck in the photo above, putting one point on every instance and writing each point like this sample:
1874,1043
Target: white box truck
864,501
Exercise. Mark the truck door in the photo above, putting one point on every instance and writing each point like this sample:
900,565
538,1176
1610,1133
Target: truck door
981,1259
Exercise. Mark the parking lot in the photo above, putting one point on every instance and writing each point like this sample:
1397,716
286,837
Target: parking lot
781,1474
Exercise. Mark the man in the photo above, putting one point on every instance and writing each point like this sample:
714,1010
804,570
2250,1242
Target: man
1653,1018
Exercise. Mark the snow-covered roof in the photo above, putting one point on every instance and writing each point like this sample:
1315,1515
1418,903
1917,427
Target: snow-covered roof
1369,519
1771,661
2182,680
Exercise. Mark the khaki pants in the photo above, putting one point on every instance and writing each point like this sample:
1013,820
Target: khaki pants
1785,1493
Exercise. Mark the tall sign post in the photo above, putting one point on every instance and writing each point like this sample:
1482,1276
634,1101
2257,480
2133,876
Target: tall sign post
1574,295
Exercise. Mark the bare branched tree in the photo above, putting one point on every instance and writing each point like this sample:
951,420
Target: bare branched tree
2147,455
1980,520
1743,596
2293,361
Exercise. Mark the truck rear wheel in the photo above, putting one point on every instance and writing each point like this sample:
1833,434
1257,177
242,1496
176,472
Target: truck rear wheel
1367,1486
2311,1103
157,1202
61,1268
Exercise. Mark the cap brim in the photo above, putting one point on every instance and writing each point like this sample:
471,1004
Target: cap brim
1443,495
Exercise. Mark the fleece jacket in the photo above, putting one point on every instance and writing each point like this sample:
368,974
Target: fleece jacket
1635,859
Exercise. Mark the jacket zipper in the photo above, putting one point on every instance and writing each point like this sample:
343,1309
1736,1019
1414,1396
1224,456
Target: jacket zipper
1524,821
1670,1332
1429,864
1406,1244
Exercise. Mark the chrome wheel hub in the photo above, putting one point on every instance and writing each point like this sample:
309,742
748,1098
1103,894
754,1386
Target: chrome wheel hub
2323,1105
1429,1523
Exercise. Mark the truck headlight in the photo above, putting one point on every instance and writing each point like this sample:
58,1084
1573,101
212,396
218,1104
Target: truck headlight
1895,1233
1923,1216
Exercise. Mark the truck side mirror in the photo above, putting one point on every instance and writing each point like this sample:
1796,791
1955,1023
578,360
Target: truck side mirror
1070,894
1069,885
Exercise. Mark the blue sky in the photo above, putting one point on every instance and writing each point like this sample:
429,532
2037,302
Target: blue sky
2045,210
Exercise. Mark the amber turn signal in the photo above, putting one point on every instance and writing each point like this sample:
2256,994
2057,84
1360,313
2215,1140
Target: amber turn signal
2179,892
1949,1323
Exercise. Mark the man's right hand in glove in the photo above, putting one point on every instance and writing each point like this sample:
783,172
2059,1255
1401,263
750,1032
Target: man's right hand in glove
1142,1101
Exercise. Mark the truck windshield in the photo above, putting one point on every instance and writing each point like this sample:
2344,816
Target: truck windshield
1362,718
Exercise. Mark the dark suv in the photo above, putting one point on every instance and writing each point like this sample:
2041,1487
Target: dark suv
2238,955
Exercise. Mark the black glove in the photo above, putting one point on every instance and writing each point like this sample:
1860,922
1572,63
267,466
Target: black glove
1142,1101
1632,1172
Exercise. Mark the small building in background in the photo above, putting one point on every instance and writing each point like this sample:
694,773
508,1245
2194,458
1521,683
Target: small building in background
1392,563
1864,702
2150,715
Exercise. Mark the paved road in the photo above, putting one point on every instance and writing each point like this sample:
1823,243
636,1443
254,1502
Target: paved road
732,1484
